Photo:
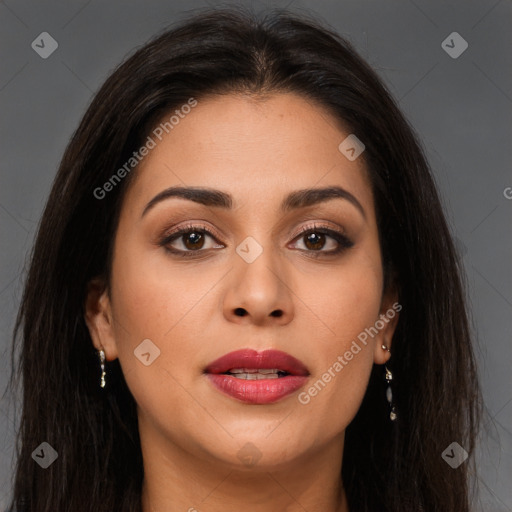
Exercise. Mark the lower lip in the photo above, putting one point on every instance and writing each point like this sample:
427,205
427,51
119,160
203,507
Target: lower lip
264,391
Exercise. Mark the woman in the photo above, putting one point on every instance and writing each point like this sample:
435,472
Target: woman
244,293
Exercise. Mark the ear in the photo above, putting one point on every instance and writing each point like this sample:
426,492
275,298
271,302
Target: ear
99,319
388,320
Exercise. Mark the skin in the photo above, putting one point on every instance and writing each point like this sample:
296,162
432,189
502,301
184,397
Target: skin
258,150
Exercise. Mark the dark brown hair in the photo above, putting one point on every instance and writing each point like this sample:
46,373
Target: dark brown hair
387,466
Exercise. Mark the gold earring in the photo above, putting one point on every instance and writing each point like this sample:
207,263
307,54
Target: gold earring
101,355
389,393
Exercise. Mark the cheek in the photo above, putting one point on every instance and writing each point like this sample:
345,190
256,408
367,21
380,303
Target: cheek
352,300
155,313
152,296
347,298
348,302
161,315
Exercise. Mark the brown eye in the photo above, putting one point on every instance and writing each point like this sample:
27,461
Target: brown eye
315,241
190,241
193,240
318,241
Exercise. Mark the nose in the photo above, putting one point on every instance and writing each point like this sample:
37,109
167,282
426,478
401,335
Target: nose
258,293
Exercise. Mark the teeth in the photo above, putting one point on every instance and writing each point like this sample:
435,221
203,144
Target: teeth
265,371
256,376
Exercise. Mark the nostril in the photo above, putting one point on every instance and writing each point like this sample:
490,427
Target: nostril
240,311
277,312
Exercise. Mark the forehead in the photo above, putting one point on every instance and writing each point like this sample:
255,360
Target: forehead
255,148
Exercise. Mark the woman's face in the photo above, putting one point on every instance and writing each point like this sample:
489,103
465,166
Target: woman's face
245,276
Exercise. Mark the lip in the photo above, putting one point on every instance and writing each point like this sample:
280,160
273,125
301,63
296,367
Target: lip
258,392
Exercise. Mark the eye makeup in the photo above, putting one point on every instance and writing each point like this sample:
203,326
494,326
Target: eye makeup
197,234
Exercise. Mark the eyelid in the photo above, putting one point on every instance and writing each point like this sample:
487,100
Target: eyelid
190,226
316,226
338,234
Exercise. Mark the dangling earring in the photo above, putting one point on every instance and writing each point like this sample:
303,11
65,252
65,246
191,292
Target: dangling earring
389,393
101,355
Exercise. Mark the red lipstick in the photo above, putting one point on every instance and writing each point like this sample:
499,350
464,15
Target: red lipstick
257,377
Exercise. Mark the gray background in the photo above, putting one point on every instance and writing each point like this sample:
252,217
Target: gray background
461,108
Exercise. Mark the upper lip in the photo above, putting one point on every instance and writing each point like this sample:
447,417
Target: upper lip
252,359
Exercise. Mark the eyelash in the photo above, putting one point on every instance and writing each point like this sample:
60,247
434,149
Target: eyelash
343,241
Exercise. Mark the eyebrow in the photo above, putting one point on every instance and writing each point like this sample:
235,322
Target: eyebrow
216,198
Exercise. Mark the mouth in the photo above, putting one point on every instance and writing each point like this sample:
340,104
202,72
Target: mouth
257,377
253,374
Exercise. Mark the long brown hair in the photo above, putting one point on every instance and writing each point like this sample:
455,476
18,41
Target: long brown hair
387,466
